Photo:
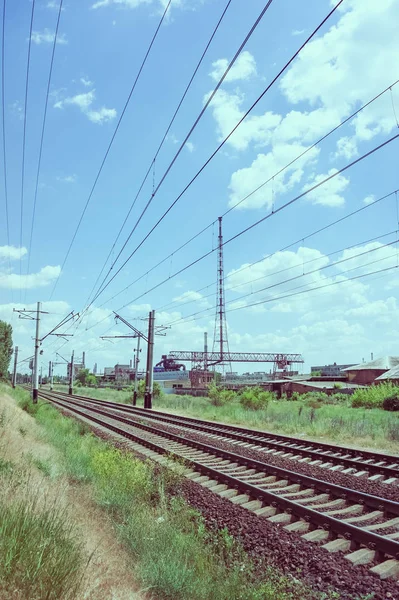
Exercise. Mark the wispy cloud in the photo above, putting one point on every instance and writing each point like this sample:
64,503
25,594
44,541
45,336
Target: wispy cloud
297,31
47,37
190,146
67,179
84,103
86,82
53,5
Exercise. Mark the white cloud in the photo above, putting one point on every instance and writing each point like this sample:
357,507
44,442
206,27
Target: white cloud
369,199
86,82
190,147
346,147
227,112
47,37
243,68
53,5
350,63
44,277
84,103
17,110
12,252
130,4
328,194
67,178
263,168
297,31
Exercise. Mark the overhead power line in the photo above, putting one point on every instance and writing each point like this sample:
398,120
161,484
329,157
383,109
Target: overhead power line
266,300
3,121
104,285
259,187
178,304
152,163
24,135
42,138
269,215
110,145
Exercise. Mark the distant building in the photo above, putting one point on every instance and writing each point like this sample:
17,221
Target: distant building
76,368
391,375
95,369
367,373
330,370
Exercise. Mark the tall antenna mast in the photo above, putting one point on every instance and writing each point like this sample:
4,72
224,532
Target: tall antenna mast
220,340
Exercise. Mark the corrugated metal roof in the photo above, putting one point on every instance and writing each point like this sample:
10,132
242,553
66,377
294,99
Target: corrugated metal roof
391,374
383,364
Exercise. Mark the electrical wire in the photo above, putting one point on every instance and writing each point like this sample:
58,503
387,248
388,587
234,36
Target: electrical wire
104,285
250,281
42,139
110,145
3,122
271,214
264,183
264,301
152,163
24,137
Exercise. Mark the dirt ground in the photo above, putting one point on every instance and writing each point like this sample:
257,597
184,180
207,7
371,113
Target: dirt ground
109,574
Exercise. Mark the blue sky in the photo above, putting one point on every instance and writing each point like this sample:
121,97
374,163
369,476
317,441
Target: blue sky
99,51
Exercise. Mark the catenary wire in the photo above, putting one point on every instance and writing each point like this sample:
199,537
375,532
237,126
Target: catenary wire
250,281
104,284
42,139
265,182
3,122
286,205
24,138
212,308
152,163
219,147
110,145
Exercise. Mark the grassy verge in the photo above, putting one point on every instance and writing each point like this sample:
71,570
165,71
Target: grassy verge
341,423
176,557
41,553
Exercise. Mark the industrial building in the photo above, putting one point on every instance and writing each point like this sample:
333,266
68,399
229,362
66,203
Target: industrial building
367,373
333,370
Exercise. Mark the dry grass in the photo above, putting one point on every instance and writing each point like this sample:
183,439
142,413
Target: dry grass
39,473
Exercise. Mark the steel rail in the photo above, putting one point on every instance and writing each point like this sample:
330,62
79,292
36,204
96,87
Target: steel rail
382,545
350,458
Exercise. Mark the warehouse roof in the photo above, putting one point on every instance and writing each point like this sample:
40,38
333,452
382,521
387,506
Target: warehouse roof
380,364
391,374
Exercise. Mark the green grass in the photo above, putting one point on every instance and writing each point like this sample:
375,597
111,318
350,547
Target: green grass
340,423
176,557
41,556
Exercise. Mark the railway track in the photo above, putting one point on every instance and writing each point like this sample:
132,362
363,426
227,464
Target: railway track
374,465
362,526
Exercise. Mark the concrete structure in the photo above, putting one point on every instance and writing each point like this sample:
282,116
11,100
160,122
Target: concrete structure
333,370
123,373
201,379
367,373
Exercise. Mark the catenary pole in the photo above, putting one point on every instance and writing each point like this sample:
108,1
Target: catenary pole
136,371
14,373
36,359
150,358
70,391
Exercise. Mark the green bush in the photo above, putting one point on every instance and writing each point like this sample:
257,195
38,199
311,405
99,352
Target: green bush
374,395
255,398
156,389
220,396
391,403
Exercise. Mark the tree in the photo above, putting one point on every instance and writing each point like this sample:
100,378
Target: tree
6,348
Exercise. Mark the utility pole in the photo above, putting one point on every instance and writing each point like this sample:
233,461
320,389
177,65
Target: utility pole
150,359
205,351
136,371
36,359
14,374
51,374
41,377
70,391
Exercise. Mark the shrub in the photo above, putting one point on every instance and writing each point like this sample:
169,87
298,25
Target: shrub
156,389
255,398
391,403
374,395
220,396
